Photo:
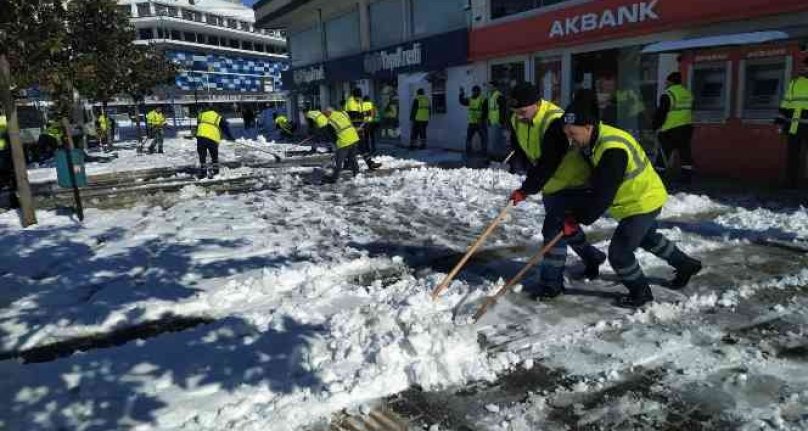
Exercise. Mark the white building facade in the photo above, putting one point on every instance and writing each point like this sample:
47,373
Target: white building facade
221,55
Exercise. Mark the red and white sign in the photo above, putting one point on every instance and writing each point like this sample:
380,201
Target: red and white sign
600,20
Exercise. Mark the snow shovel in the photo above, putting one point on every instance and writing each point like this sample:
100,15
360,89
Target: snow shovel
448,279
491,300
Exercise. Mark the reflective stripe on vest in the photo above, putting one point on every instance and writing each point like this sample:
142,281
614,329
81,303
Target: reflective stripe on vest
208,126
573,171
493,108
346,132
318,118
475,109
681,108
3,129
641,191
422,112
796,98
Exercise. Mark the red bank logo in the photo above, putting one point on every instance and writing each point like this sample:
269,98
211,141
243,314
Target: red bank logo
616,17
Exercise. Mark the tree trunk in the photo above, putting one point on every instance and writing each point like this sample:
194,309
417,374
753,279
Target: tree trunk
137,126
71,171
17,152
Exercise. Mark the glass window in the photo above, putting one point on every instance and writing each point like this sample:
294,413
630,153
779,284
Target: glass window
710,92
386,25
500,8
143,9
259,47
763,84
438,84
508,74
176,35
234,43
144,33
189,37
213,40
342,35
172,11
430,16
212,20
231,23
247,45
306,46
548,79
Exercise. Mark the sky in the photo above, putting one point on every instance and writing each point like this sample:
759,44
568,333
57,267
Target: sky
248,2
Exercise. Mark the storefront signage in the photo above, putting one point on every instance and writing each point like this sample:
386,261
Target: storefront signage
308,75
710,57
592,21
770,52
608,18
392,60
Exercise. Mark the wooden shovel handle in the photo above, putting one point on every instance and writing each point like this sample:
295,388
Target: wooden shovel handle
450,276
491,300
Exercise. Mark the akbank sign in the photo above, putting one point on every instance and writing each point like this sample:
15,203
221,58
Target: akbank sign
390,61
608,18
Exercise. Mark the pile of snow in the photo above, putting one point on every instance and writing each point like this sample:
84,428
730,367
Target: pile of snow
760,219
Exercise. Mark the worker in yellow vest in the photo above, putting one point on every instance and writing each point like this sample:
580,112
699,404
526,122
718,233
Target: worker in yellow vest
4,141
156,122
497,118
624,182
369,112
209,131
317,129
390,119
673,121
420,111
561,173
285,128
347,143
794,121
104,126
354,108
476,119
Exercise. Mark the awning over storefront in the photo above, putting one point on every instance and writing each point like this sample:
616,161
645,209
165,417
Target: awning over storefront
716,41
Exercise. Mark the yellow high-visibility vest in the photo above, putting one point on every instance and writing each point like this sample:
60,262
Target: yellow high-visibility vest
681,110
369,111
3,129
423,108
346,132
155,119
796,98
475,109
493,108
641,191
208,126
318,118
573,172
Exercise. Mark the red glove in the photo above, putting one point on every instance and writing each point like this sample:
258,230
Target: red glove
518,196
571,226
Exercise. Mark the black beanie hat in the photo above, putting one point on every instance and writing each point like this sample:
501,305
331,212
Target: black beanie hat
523,94
583,110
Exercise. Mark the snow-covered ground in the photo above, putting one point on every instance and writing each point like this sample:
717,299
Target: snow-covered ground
317,299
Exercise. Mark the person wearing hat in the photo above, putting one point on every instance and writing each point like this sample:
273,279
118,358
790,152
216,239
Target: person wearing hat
562,175
624,182
673,122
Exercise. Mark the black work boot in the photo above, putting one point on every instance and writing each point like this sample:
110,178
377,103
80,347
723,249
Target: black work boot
684,271
639,294
592,267
371,164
